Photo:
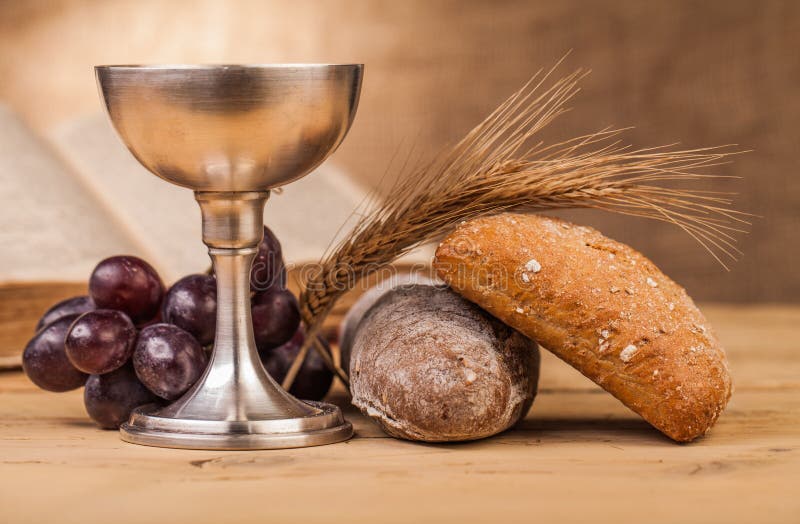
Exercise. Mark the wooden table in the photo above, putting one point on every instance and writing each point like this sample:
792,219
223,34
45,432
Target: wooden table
579,456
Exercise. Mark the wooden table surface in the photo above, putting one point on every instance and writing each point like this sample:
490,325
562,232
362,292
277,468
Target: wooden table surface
579,456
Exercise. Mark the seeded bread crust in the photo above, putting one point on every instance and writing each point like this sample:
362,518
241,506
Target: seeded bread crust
600,306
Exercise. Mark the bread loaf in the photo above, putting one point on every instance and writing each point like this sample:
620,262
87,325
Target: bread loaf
428,365
599,305
349,324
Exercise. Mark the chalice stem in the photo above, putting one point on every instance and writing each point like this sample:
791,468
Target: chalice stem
232,230
234,347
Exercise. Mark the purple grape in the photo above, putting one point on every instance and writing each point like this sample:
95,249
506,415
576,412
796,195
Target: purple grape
128,284
268,269
100,341
70,306
191,304
110,398
168,360
276,316
313,380
45,359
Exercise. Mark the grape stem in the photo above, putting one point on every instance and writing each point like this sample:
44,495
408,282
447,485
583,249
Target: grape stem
312,341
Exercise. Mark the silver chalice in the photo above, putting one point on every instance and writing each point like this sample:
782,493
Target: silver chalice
231,133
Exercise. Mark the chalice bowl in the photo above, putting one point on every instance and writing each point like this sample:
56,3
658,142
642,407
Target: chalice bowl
231,133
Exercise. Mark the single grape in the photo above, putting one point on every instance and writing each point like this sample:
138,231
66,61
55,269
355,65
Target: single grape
168,360
128,284
110,398
45,359
276,316
70,306
268,269
100,341
191,304
313,380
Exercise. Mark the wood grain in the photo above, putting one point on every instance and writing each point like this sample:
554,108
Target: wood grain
579,456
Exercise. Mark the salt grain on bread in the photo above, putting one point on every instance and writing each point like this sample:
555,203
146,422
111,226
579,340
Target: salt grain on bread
429,365
599,305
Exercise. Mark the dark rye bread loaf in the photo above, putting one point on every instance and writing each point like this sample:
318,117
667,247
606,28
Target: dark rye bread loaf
349,324
599,305
428,365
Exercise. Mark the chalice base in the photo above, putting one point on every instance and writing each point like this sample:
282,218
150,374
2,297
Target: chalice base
325,425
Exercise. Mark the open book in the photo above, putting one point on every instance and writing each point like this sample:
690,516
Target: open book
76,196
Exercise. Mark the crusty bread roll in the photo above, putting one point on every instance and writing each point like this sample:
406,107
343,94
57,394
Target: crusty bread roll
347,328
599,305
429,365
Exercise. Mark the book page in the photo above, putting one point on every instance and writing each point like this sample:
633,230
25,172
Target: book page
53,227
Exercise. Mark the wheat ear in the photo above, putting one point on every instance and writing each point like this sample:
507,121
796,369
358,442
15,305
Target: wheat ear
499,167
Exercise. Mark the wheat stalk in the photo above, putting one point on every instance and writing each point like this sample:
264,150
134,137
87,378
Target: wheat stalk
496,168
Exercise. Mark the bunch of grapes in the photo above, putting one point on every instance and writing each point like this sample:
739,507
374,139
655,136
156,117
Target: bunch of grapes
132,342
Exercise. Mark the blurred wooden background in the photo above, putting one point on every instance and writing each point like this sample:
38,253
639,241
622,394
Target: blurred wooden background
699,73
